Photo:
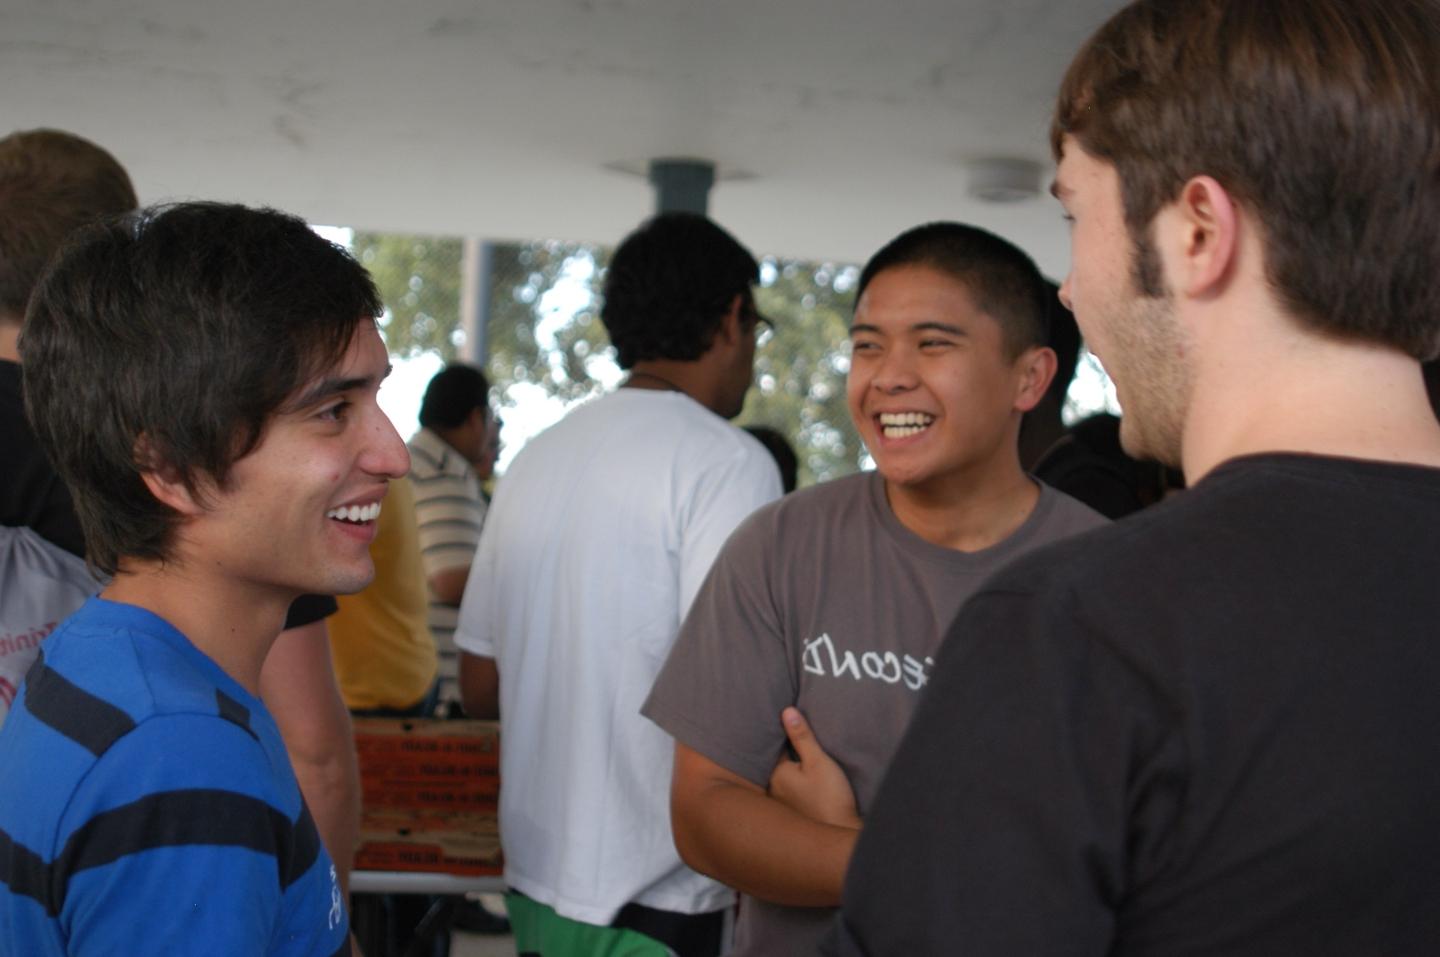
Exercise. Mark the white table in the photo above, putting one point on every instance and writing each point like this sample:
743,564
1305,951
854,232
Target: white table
422,882
369,919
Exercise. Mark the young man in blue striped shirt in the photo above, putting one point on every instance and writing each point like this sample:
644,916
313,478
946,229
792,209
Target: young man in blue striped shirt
204,378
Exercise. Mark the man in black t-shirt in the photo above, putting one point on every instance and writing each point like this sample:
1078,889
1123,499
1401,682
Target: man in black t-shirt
1212,728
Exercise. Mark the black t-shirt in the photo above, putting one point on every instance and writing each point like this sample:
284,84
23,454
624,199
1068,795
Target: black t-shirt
308,609
32,495
1212,728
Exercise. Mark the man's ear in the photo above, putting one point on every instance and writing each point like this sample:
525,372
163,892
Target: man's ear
731,323
164,480
1036,367
1203,237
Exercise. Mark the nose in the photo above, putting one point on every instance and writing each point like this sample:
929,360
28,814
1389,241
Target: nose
385,453
896,372
1065,293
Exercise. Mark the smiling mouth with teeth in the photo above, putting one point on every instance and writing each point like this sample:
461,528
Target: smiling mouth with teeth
899,425
356,514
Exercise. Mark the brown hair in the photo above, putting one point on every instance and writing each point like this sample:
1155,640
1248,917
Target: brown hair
51,183
1321,117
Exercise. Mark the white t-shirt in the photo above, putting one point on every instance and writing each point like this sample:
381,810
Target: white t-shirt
598,539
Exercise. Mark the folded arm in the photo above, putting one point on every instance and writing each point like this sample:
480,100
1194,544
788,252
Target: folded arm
788,845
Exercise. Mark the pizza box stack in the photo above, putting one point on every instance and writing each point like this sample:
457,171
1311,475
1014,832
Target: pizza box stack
430,792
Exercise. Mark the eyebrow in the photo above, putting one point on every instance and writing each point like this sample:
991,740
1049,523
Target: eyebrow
333,386
927,326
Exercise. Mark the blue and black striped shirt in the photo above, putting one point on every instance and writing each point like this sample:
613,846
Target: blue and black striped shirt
149,807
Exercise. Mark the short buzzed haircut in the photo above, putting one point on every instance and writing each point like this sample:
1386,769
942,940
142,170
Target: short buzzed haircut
51,184
1003,280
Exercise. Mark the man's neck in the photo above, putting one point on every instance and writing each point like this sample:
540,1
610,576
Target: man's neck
1299,392
457,438
230,625
668,375
1040,429
968,513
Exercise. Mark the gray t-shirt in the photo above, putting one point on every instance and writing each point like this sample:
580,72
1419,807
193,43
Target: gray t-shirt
824,600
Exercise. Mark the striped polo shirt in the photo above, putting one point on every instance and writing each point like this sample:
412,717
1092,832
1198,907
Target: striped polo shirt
450,510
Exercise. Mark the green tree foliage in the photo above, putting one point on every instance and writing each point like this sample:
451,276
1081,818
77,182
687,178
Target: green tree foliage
419,282
545,332
533,337
800,368
544,318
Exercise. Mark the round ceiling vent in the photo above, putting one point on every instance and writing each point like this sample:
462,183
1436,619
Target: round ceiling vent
1003,180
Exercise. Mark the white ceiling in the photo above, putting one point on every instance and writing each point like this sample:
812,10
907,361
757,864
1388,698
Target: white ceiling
848,120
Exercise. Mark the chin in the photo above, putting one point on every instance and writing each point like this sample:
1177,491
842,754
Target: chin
1146,446
346,583
906,478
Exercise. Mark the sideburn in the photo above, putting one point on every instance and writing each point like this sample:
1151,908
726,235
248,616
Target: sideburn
1145,269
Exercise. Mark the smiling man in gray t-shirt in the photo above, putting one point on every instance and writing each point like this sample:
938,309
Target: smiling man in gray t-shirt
833,601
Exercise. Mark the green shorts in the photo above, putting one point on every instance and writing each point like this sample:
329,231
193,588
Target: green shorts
540,932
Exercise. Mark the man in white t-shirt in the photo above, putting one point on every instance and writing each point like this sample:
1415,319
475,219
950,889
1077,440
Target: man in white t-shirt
597,541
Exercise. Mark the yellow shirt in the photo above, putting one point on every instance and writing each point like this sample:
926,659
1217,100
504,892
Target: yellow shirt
380,638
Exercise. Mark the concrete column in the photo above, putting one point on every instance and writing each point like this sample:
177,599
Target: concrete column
477,265
682,185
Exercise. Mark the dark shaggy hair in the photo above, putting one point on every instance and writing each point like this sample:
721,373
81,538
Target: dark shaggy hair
1320,117
668,286
51,183
166,340
1003,280
454,392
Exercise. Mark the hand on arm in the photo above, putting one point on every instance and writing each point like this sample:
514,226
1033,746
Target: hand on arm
757,842
814,785
297,684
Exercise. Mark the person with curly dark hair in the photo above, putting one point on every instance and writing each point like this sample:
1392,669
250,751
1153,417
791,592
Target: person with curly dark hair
596,542
673,288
